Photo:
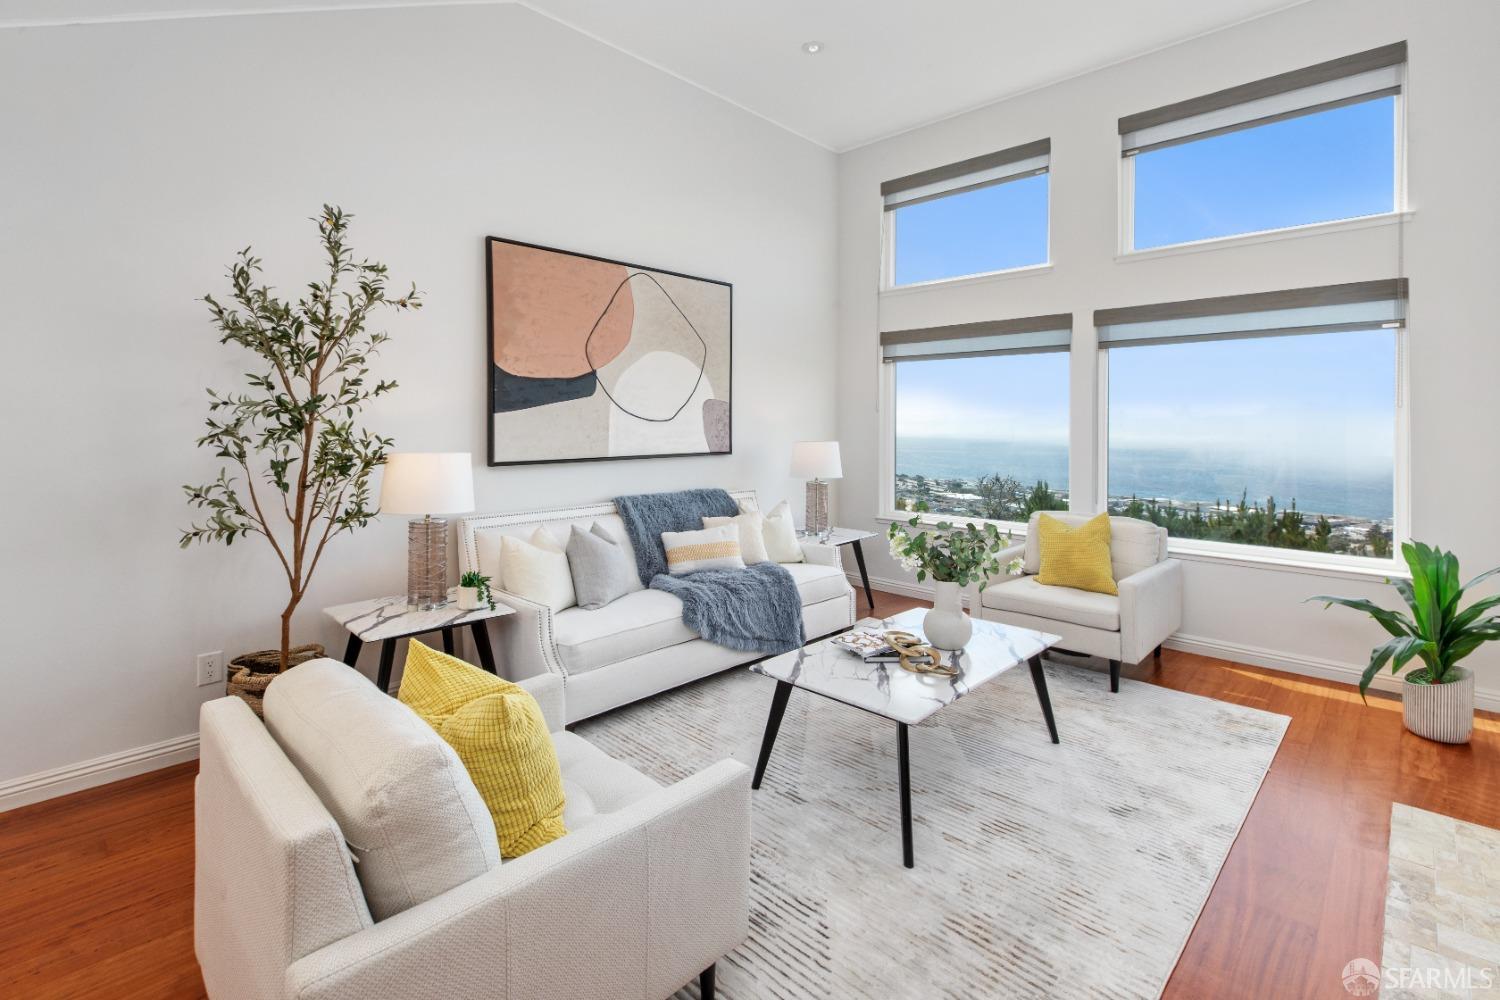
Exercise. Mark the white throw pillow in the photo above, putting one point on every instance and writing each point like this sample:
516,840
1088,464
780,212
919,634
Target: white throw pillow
752,534
711,548
781,535
413,819
537,570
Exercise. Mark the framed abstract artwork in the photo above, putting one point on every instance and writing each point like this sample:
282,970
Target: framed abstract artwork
598,359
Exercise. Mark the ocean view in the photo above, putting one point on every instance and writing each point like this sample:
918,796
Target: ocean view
1181,475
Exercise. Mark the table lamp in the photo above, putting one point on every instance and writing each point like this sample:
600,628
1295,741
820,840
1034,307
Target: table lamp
424,483
817,462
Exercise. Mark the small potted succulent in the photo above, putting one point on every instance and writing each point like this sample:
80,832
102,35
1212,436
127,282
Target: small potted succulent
954,557
1437,698
474,592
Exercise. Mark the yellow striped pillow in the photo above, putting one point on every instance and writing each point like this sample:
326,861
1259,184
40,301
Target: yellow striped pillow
1076,557
499,733
712,548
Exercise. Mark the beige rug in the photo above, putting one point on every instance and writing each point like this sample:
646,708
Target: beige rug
1070,871
1442,908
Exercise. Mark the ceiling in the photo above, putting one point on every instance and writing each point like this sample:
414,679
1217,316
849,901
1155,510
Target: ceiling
886,65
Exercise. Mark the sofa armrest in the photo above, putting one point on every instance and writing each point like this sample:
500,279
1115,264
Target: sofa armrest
819,554
1150,609
634,905
528,645
1005,555
547,689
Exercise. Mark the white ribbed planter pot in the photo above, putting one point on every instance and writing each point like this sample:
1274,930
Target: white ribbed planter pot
946,626
468,599
1442,712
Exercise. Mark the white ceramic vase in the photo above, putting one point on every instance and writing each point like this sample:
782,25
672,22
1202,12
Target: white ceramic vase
468,599
946,626
1442,712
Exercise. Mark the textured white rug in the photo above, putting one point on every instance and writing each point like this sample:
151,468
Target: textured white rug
1442,908
1042,871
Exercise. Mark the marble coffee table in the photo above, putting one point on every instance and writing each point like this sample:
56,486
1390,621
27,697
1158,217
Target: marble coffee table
905,698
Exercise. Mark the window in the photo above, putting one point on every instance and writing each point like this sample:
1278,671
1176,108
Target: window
981,417
982,215
1266,420
1314,145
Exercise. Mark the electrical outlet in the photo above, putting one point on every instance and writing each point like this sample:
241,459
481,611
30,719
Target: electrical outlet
211,668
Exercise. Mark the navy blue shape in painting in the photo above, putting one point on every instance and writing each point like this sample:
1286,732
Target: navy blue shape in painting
521,392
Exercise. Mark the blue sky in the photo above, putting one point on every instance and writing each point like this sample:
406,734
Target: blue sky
1292,407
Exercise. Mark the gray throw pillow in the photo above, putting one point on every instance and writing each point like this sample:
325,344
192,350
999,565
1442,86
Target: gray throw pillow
602,570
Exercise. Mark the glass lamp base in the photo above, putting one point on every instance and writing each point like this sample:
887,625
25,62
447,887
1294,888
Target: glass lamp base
426,563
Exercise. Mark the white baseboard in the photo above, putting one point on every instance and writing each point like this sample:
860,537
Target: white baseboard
1487,699
99,771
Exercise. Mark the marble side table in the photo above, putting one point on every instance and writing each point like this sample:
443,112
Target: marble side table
386,619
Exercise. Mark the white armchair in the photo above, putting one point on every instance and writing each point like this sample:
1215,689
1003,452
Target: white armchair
1126,628
646,891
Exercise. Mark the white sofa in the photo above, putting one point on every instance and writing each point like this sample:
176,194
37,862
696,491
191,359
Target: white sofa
647,890
1126,628
637,645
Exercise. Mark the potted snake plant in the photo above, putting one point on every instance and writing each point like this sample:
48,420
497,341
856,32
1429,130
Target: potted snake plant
1437,697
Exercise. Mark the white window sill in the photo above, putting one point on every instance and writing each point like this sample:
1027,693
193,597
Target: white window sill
1268,236
967,279
1251,557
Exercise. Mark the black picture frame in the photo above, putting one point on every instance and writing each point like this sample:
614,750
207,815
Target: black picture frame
490,366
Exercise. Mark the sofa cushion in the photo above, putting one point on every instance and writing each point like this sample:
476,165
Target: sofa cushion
633,625
603,569
817,583
594,783
1024,595
403,800
1076,556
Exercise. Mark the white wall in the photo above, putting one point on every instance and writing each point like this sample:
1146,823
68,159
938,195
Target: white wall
137,158
1452,259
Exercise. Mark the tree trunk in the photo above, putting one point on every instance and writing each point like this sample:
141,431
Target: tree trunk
286,631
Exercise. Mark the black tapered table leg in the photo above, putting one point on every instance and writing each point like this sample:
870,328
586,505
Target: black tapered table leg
903,759
773,724
482,643
864,575
706,983
1114,676
352,648
1040,680
448,640
387,660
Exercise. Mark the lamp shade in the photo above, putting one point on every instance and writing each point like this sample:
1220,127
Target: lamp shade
434,482
816,460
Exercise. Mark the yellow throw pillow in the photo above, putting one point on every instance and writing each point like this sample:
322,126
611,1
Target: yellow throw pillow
1075,557
498,731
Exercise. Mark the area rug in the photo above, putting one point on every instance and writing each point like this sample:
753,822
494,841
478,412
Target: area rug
1072,871
1442,908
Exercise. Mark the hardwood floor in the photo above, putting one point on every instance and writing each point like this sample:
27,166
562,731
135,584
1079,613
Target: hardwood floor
96,893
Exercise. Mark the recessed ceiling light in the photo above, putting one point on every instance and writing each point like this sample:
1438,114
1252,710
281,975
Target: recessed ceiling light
812,48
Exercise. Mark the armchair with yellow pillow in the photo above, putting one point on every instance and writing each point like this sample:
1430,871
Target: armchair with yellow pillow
455,843
1105,584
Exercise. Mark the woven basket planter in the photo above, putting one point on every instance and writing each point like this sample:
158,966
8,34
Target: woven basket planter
251,673
1441,712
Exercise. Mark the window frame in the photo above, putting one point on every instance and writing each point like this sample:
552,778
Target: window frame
888,245
1125,245
1202,548
886,497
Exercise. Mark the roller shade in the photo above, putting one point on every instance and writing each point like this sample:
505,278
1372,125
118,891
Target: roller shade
1363,76
1325,309
1031,335
967,175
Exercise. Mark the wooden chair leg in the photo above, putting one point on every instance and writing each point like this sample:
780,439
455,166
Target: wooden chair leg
1156,654
1114,676
706,982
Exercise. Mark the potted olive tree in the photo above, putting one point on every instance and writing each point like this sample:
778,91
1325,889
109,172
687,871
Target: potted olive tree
298,466
1437,697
